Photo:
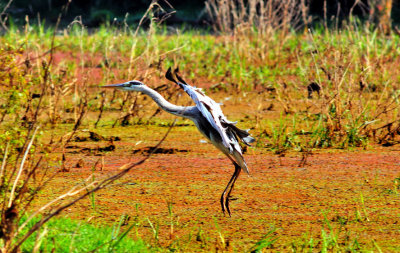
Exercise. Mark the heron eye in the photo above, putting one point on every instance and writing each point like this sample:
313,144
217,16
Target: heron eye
134,83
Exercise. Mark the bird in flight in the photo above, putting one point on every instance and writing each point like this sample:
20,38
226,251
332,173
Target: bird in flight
210,121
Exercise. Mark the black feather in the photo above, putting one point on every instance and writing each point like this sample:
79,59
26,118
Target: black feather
178,77
135,83
169,76
243,135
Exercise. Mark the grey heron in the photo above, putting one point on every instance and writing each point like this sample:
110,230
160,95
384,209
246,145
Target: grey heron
210,121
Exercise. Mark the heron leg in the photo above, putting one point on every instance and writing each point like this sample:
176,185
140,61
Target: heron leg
224,193
228,189
238,169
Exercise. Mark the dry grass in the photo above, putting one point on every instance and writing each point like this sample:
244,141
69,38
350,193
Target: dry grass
262,17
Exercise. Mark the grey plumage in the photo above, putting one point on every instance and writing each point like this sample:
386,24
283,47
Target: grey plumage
208,118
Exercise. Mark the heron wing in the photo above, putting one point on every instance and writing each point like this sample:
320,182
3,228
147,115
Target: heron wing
211,111
213,114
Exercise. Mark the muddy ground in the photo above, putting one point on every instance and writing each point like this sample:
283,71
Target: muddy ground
351,194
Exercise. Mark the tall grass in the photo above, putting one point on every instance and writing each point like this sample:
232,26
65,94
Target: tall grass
263,17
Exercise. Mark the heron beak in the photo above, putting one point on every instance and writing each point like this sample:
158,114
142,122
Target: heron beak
117,85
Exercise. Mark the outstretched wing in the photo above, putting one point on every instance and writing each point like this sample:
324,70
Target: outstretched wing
213,113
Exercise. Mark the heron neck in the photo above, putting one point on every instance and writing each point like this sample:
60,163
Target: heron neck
164,104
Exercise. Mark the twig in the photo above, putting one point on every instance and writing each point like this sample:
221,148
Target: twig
2,13
103,99
3,164
21,167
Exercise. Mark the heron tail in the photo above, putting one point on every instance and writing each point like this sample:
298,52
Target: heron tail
243,135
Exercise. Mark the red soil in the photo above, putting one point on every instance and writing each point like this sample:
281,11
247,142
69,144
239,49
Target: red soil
354,187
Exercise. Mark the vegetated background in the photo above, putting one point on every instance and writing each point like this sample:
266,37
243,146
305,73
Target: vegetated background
317,85
97,12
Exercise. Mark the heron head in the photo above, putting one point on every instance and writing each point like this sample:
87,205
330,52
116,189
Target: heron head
133,85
